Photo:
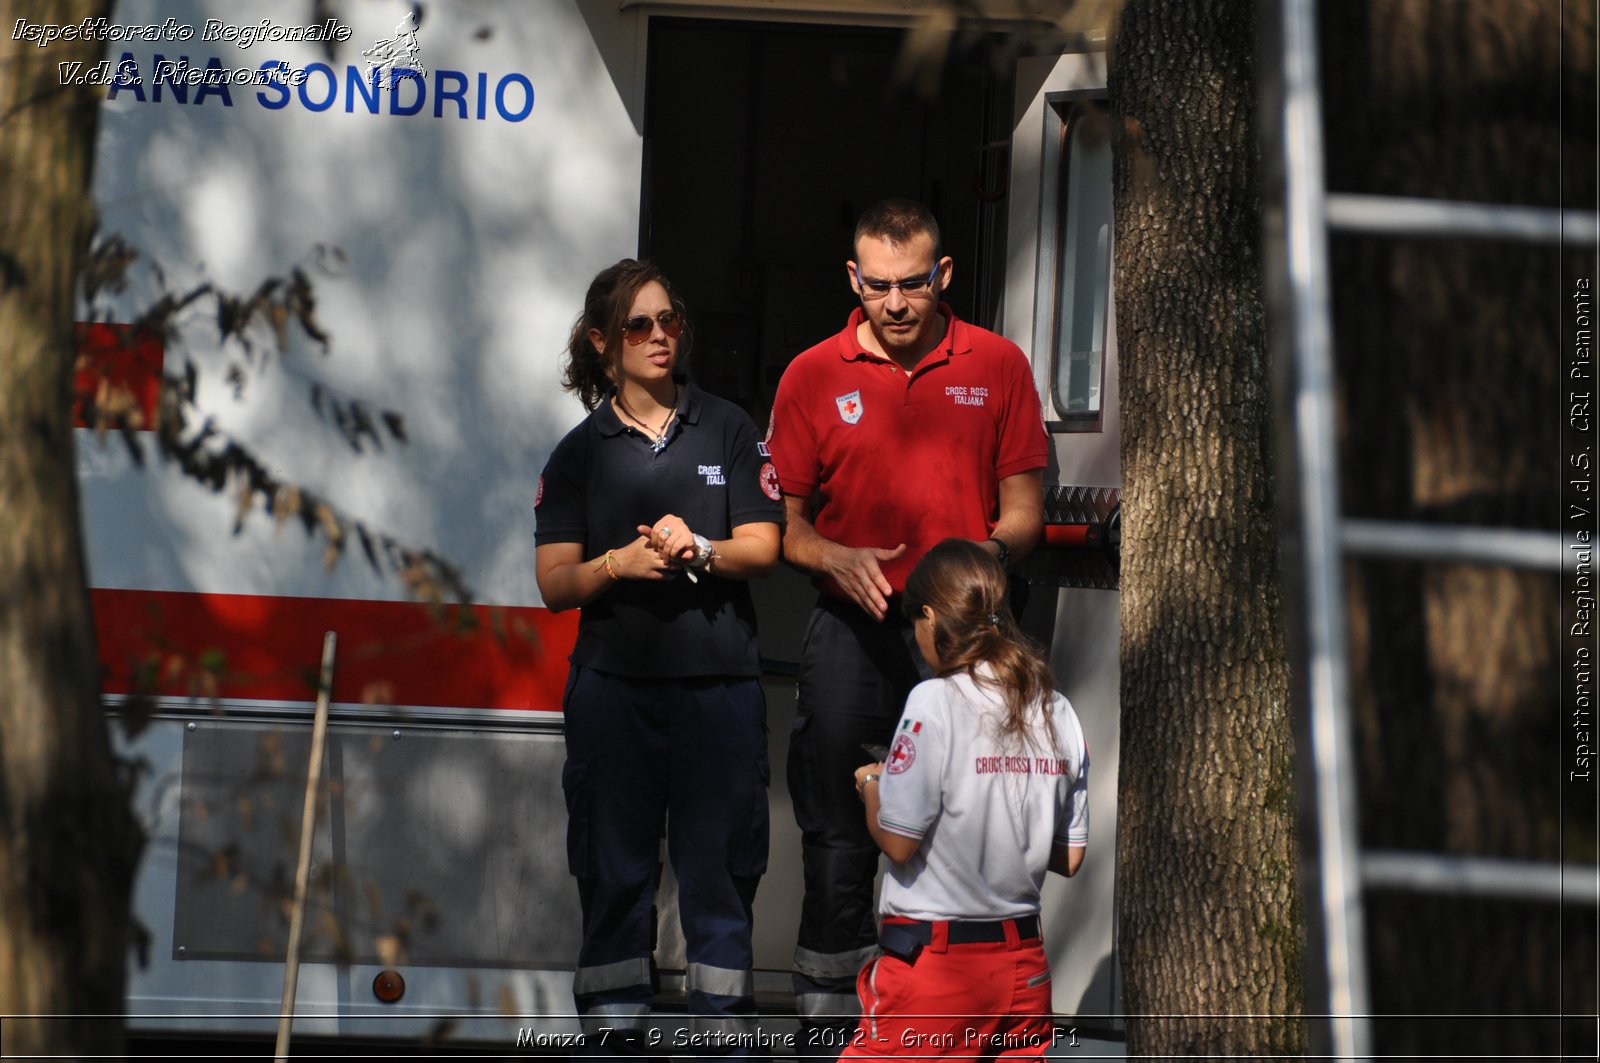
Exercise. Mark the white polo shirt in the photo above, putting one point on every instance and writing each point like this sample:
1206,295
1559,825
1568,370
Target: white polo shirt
987,809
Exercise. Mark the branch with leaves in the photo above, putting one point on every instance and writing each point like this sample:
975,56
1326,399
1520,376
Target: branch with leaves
189,437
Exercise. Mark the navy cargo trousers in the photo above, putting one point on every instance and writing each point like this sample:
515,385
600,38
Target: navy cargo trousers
684,758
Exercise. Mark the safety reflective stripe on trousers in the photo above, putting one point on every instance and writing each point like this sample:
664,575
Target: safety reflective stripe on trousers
619,975
870,1012
833,964
604,1017
719,981
810,1005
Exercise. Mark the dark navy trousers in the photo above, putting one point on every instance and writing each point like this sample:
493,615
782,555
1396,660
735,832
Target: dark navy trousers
683,758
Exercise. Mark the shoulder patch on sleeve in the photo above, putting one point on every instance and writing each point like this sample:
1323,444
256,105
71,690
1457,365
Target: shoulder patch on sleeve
903,754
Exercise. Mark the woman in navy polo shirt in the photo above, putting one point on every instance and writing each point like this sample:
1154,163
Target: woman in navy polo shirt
652,513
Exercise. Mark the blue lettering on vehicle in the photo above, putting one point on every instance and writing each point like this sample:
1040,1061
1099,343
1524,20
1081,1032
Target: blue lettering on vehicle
526,92
275,85
281,88
458,95
128,79
307,91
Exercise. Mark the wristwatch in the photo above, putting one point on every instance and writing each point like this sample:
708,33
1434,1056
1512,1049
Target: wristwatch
861,787
1005,550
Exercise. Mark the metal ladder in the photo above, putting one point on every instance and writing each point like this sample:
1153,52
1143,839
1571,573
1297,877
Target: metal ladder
1300,212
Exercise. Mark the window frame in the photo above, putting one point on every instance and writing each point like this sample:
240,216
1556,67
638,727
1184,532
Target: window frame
1062,110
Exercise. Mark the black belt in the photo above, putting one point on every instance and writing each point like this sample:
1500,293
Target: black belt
969,931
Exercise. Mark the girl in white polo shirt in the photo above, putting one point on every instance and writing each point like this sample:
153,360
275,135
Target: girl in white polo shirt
983,790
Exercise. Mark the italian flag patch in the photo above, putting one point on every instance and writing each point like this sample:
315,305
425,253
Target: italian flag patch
911,726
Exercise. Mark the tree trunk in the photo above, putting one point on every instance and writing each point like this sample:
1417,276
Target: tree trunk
68,842
1450,363
1209,930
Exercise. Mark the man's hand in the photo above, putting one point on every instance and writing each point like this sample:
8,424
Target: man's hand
858,573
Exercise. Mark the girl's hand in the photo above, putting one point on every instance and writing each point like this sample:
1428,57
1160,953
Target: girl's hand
671,538
861,777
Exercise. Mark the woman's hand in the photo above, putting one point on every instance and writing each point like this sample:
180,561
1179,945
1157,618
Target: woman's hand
751,551
641,560
671,538
569,580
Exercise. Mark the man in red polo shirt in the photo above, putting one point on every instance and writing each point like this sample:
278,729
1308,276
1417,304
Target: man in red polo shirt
908,427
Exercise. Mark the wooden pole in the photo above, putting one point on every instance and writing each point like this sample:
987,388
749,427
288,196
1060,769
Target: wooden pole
308,822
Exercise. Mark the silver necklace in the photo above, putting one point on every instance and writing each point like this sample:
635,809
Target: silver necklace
658,438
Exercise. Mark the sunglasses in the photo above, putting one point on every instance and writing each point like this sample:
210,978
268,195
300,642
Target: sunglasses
638,329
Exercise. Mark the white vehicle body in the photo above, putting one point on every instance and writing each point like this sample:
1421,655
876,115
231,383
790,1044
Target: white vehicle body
470,199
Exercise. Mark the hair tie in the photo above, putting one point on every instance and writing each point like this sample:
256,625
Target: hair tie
994,619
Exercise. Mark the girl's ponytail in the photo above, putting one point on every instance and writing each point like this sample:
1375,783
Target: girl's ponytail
966,588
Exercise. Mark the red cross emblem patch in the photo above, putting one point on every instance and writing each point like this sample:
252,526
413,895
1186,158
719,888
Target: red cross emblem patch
902,755
849,407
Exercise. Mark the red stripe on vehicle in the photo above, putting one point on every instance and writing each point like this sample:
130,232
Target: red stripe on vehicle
389,653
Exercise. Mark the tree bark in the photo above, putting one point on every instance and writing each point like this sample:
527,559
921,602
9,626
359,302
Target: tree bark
1209,931
68,842
1450,359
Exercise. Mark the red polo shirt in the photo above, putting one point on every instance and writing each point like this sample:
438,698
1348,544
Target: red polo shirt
906,458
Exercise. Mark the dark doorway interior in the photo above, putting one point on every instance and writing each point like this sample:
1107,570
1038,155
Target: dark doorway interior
764,141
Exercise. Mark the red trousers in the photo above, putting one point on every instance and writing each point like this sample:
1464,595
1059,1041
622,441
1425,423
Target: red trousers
978,1001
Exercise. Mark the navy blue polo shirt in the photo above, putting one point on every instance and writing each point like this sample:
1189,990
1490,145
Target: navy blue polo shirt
603,481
